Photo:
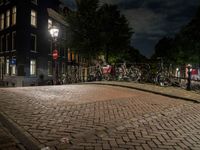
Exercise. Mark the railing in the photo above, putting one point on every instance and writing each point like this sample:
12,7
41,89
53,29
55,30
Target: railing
144,73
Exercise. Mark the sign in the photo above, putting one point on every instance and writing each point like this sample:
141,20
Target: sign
55,54
13,62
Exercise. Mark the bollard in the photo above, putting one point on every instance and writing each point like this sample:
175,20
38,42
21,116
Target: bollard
189,78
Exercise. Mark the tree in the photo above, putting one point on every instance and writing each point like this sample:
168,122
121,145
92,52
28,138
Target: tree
185,47
99,30
84,26
114,30
164,49
132,55
187,41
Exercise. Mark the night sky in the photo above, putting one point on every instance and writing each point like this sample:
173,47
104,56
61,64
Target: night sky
153,19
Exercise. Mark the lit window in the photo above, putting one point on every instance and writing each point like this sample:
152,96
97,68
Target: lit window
69,55
34,1
14,12
7,66
7,18
2,22
73,56
13,66
7,41
50,68
33,67
33,18
13,70
33,42
1,43
50,23
14,40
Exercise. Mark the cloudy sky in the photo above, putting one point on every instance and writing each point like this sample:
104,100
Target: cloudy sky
153,19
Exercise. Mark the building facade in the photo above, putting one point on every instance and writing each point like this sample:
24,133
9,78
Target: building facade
25,43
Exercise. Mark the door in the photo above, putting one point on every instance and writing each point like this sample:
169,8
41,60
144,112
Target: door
1,67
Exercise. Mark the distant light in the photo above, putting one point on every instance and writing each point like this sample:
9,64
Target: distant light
54,31
189,66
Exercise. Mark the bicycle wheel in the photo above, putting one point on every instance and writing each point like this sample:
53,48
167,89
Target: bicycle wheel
98,76
164,81
134,74
144,75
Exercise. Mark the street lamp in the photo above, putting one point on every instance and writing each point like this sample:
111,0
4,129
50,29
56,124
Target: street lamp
54,31
189,66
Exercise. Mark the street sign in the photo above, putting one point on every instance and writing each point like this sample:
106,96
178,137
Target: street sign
55,54
13,61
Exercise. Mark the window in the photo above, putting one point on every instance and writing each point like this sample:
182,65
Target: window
14,40
7,18
34,1
64,51
50,47
33,67
50,68
14,11
73,56
7,66
1,2
33,42
2,43
2,22
7,1
33,18
63,68
7,41
76,58
50,23
69,55
13,66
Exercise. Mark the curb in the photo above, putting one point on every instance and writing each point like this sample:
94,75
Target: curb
24,137
149,91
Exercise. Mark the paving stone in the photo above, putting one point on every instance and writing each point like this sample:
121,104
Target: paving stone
102,117
8,141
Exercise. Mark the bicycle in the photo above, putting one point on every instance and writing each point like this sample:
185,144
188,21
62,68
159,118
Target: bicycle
162,76
130,74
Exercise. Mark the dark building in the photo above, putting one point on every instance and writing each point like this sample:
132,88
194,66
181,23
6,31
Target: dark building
25,43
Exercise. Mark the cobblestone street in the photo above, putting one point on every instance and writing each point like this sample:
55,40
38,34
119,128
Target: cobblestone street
101,117
8,141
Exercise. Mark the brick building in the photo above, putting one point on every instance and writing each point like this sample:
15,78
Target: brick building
25,43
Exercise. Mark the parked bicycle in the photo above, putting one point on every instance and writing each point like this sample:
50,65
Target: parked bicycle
131,73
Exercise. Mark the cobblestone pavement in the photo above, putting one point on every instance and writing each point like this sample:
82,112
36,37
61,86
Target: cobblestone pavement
8,141
174,92
102,117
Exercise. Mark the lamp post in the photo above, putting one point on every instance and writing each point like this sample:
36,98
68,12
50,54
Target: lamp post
189,77
54,31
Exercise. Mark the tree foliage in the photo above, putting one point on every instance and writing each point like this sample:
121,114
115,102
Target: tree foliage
187,42
163,49
84,26
99,30
185,47
114,30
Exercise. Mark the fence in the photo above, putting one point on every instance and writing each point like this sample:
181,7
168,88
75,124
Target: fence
159,74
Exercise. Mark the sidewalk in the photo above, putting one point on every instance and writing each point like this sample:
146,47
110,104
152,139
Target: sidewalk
173,92
8,141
